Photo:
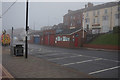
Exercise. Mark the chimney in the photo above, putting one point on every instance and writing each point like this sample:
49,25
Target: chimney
69,11
90,4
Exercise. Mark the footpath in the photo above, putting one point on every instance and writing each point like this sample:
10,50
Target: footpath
34,67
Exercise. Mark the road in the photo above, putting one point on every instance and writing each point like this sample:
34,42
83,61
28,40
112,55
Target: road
97,63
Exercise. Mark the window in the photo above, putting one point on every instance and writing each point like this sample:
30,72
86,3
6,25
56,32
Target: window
61,39
117,16
74,17
87,20
65,38
105,11
79,21
71,17
68,39
58,38
105,17
76,35
98,20
93,13
98,12
71,24
119,8
94,21
87,14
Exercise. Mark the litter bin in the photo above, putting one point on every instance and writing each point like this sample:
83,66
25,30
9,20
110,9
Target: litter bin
18,50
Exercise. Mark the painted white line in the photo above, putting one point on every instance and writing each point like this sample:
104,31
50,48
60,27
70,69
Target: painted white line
31,50
102,58
39,49
64,57
55,54
82,62
104,70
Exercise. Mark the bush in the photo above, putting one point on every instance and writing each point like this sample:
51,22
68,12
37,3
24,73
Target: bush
116,29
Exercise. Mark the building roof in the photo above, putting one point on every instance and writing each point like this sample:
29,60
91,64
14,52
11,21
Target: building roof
36,33
105,5
68,31
96,7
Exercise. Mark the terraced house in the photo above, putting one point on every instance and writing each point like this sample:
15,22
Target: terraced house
101,18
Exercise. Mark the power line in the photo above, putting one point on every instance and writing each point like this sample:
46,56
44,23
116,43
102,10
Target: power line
8,9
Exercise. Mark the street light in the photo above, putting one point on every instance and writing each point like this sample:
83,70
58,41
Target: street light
26,43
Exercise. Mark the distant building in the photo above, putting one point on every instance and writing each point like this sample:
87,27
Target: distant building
73,19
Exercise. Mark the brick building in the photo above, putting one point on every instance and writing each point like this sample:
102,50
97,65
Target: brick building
70,38
73,19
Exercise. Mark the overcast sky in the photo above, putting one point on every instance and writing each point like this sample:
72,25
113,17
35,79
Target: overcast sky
40,13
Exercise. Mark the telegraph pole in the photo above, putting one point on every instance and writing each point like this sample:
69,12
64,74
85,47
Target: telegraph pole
26,43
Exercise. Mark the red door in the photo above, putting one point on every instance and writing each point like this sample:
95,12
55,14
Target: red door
46,40
76,41
52,40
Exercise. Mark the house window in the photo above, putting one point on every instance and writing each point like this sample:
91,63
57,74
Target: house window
87,14
98,20
65,38
58,38
94,21
105,17
105,11
119,8
117,16
93,13
71,17
68,39
71,24
87,20
98,12
74,17
76,35
79,21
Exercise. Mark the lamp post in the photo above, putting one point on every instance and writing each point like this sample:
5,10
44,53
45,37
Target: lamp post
26,42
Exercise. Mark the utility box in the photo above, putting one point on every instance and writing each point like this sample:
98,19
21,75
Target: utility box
18,50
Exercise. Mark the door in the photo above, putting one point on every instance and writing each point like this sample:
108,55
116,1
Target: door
76,40
36,40
52,40
46,39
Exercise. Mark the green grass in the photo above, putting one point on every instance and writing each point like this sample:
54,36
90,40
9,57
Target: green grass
107,39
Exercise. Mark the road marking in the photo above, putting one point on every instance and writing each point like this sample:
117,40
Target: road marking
55,54
31,50
64,57
102,58
82,62
39,49
104,70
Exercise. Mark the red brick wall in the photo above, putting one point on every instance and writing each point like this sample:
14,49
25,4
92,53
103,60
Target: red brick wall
78,18
63,44
110,47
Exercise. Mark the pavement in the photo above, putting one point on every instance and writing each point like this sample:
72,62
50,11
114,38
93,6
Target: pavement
34,67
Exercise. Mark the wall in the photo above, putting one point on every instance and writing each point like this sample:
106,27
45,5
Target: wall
110,47
76,17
